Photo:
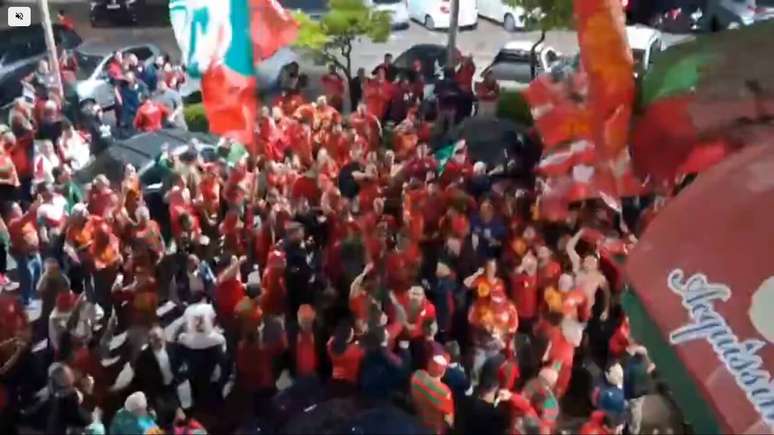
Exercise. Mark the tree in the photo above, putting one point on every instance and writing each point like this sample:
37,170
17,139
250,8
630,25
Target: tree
346,22
544,15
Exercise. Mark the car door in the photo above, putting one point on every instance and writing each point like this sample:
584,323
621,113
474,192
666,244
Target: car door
104,94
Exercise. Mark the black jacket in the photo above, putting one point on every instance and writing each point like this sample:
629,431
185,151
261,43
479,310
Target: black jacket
64,412
148,377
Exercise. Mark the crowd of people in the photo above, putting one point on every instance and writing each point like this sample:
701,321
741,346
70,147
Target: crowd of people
346,263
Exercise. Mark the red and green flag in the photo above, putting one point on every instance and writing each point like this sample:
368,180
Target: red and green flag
222,42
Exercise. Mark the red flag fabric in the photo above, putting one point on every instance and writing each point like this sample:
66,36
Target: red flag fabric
663,137
271,27
230,103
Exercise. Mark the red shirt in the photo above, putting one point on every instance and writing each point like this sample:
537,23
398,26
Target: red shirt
416,317
333,84
255,364
67,23
227,296
150,116
306,354
464,76
346,365
24,234
524,293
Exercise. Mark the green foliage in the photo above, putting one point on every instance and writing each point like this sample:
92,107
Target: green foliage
546,14
512,106
196,118
346,21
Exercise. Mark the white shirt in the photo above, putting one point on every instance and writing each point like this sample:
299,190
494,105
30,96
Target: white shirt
54,212
76,150
162,357
202,309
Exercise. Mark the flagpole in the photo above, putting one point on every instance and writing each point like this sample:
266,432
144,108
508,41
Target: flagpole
48,31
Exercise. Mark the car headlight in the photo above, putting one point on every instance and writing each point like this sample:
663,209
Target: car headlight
130,2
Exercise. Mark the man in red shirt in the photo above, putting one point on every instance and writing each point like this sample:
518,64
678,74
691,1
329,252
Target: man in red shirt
346,354
431,397
333,84
151,116
524,291
464,74
305,351
25,248
366,125
65,21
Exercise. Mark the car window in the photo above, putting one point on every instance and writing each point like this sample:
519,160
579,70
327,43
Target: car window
655,48
16,53
142,53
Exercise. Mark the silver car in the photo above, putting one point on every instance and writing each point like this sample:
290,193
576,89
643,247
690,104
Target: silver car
728,14
93,57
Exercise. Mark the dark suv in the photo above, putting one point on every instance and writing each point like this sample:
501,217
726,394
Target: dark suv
124,11
20,50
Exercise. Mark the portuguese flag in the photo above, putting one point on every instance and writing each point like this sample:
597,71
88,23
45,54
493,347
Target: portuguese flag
702,100
221,42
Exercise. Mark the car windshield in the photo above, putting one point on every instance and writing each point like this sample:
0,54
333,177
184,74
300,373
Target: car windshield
87,63
512,56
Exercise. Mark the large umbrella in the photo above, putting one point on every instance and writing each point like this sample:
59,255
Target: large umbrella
495,142
703,275
714,90
349,416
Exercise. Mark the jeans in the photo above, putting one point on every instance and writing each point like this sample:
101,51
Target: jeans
634,415
30,267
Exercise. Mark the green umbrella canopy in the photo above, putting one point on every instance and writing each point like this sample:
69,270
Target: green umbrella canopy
721,66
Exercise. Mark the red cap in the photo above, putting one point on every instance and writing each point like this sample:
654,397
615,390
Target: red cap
65,301
436,367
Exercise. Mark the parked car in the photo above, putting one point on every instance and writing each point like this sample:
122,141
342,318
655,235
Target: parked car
645,43
728,14
143,151
436,14
315,9
93,57
433,57
20,50
123,11
512,18
511,66
764,10
399,17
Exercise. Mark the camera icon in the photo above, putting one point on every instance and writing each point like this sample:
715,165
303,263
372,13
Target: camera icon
19,16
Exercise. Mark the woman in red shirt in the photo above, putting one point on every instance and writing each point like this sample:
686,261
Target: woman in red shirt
346,355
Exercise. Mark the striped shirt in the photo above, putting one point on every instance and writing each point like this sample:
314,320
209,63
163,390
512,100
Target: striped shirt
432,400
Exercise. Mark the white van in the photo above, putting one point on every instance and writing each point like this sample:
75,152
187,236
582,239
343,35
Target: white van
436,14
512,18
646,43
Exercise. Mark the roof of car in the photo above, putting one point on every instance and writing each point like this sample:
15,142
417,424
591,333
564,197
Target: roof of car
522,45
104,48
641,37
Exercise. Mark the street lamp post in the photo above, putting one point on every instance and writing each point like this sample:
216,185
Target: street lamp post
453,28
51,45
